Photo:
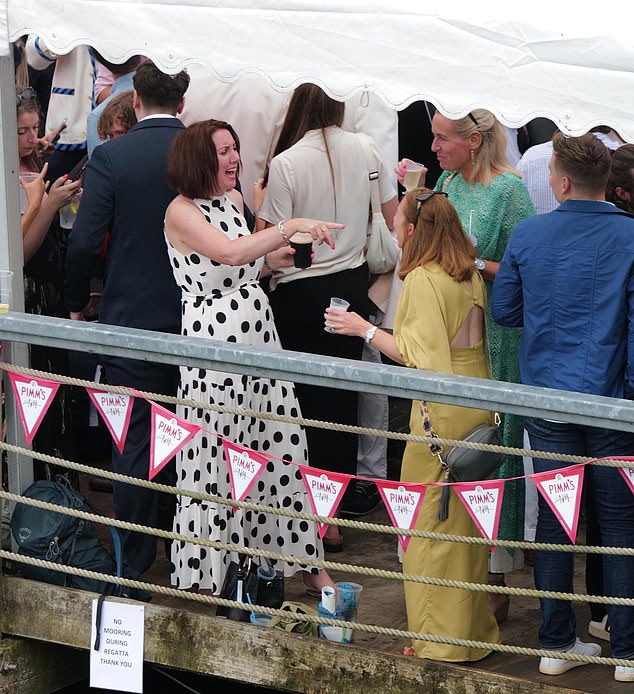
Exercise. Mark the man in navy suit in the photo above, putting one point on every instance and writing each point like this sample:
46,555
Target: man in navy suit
126,194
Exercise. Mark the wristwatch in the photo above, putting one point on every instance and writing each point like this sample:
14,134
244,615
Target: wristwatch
370,333
480,264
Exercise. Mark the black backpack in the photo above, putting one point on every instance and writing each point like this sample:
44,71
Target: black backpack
64,539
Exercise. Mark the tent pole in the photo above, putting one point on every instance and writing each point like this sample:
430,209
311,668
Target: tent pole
20,469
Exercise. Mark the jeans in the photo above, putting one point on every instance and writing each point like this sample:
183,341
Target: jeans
614,507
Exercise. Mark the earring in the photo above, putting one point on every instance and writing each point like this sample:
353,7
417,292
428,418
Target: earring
473,159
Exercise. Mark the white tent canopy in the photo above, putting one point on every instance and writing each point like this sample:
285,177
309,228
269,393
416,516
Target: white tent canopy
518,60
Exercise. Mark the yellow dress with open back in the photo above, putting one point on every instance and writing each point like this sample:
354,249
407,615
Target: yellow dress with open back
431,309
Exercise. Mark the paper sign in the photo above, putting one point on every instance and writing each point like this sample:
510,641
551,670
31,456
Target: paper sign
325,490
562,491
118,663
403,502
483,501
245,466
34,396
169,434
115,410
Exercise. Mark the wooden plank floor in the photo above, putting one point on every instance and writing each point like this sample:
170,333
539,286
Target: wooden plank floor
382,603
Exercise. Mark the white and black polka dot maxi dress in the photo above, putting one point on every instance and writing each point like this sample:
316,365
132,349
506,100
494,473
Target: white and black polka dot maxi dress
225,302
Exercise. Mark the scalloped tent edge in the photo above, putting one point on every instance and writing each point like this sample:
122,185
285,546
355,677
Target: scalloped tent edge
518,61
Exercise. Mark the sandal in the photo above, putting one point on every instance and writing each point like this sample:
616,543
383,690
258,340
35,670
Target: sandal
333,544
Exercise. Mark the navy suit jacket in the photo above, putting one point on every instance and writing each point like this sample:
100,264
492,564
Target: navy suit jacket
126,193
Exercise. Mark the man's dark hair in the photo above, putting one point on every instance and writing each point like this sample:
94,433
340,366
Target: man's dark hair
118,68
584,160
157,89
621,176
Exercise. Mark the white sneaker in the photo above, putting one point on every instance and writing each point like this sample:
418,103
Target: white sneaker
624,674
557,666
600,630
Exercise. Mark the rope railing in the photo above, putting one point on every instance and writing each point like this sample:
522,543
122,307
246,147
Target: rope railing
334,566
290,513
368,628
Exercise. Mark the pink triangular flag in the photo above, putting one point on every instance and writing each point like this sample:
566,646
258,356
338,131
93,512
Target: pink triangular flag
34,396
403,501
628,476
562,491
115,411
245,466
626,472
325,490
168,434
483,501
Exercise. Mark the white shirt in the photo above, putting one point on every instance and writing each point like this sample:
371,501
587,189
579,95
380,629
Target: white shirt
301,185
534,169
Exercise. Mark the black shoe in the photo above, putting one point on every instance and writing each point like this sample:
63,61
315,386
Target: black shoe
366,498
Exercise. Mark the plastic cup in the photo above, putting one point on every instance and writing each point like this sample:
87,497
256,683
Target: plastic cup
6,280
412,174
302,242
27,177
336,302
68,213
347,600
260,619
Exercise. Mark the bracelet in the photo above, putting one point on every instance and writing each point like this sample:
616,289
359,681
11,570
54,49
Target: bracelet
370,333
280,228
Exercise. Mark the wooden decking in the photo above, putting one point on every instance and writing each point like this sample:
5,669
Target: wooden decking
188,636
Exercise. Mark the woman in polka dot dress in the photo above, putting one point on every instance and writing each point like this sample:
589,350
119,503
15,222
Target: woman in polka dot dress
216,262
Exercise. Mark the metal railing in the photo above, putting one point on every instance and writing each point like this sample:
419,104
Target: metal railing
346,374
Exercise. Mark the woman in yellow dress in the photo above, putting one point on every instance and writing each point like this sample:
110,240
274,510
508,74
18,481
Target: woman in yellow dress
439,326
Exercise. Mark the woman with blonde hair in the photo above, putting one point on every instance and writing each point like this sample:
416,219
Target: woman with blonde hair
439,326
491,199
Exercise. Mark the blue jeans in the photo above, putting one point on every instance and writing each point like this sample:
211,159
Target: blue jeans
614,506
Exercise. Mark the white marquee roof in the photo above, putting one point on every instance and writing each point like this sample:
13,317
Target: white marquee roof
520,60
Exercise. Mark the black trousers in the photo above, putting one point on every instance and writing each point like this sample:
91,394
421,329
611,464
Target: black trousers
298,308
131,503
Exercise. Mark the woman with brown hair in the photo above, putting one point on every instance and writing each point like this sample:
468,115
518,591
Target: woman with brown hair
320,170
491,199
216,263
439,326
44,278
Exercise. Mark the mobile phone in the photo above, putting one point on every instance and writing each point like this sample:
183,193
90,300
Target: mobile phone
54,136
77,171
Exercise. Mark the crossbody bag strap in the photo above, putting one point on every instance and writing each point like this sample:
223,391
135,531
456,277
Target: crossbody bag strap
373,175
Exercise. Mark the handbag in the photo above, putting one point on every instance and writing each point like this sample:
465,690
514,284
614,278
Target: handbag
381,251
243,578
464,464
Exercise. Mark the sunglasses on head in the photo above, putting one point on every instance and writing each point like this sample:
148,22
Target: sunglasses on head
420,199
28,94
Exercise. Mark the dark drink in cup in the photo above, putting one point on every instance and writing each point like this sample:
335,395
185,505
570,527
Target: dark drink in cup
302,242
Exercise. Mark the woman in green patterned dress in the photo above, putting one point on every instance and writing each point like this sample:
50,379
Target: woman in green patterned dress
491,200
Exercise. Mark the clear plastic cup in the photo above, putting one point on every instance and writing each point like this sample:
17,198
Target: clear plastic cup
27,177
6,280
412,174
347,600
336,302
68,213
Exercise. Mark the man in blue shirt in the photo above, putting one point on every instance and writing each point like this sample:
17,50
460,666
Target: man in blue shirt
567,278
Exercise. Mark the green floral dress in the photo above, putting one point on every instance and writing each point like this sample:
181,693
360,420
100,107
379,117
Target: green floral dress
491,213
